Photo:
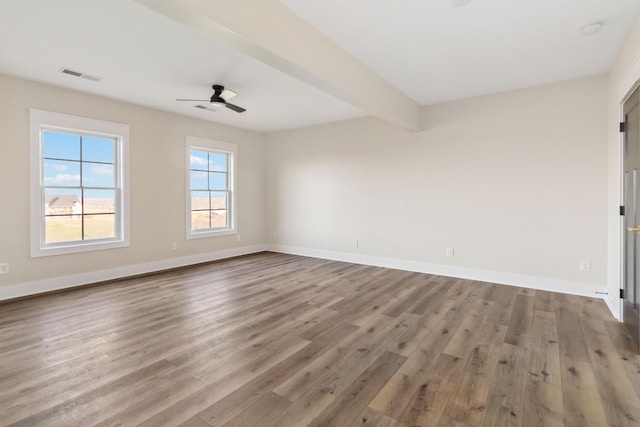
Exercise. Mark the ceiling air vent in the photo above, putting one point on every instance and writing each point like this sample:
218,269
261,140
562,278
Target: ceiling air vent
81,75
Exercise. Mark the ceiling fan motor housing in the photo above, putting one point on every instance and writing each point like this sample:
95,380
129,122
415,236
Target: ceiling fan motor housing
220,98
217,100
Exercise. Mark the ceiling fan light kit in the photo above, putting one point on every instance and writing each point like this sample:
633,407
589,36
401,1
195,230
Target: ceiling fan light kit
219,99
218,102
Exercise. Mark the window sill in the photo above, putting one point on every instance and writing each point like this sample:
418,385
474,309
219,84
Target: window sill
211,233
73,248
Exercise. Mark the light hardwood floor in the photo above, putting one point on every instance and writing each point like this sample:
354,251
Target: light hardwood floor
278,340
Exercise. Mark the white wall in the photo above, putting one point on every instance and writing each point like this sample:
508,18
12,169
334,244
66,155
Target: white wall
157,190
623,77
515,182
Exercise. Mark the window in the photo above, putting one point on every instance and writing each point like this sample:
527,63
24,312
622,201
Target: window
79,184
210,187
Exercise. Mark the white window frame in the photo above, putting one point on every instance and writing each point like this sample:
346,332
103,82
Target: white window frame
40,121
205,144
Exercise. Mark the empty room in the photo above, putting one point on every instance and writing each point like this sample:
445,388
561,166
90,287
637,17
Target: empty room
319,213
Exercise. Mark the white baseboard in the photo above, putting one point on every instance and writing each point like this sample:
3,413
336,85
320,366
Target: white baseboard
533,282
614,306
56,283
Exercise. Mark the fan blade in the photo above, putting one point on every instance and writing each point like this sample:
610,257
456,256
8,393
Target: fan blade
194,100
227,94
235,108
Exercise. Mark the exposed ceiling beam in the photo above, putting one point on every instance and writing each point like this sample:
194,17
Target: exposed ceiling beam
269,32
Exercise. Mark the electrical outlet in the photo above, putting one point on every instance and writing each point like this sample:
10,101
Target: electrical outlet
4,268
355,243
238,237
585,265
174,246
450,252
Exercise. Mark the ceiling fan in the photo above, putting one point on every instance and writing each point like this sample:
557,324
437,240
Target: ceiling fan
219,99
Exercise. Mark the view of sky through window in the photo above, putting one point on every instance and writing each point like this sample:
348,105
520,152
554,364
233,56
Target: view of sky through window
79,180
209,187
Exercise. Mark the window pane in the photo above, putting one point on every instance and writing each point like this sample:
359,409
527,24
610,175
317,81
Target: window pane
99,201
62,201
200,220
199,180
218,162
98,175
218,200
99,226
217,181
199,160
59,145
219,219
63,228
200,200
80,170
61,173
96,149
210,173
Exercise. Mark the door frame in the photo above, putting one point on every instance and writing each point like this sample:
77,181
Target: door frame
622,231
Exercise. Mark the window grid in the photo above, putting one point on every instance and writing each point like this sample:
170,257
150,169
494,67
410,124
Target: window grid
82,188
210,191
103,197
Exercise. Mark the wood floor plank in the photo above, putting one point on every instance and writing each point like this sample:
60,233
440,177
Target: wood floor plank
583,404
433,296
543,392
447,421
303,411
543,405
350,403
571,340
160,398
70,411
240,399
395,396
466,335
217,390
503,298
627,351
580,396
371,418
519,329
419,328
267,409
618,395
544,351
469,400
506,407
428,402
359,358
415,281
348,351
195,422
281,340
328,376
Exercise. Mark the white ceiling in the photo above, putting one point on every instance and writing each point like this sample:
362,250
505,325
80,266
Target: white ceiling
434,51
430,50
147,59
